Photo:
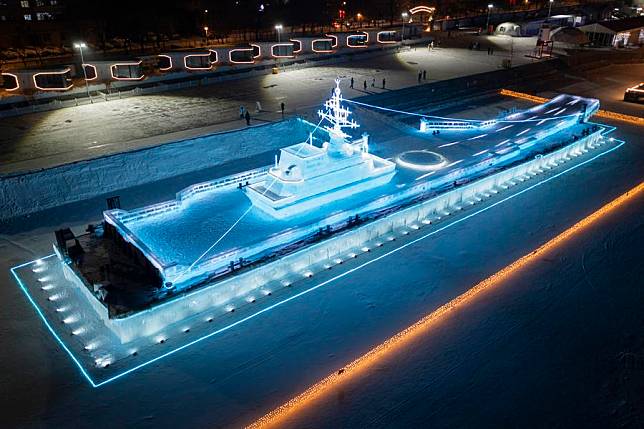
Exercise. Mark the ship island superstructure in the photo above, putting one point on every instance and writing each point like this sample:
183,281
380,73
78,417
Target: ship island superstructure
308,176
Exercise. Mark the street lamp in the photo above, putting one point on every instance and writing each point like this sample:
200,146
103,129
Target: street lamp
487,24
404,18
80,46
279,27
550,8
205,29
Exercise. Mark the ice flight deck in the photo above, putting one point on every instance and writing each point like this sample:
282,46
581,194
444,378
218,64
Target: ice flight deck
178,236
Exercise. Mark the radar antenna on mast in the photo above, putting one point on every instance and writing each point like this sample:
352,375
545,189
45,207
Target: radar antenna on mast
336,114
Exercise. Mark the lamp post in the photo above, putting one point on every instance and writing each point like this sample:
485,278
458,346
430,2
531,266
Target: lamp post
278,28
80,46
487,24
404,18
550,8
205,29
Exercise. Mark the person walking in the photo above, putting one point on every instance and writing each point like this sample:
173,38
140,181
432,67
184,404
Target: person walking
373,82
352,82
420,75
241,112
424,74
383,83
365,84
247,116
282,106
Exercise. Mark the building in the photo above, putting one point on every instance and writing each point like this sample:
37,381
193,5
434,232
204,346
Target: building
616,33
31,23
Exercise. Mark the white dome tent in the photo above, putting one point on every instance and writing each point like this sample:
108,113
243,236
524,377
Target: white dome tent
508,29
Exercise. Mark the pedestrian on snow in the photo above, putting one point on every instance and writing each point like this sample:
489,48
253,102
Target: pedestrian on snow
373,82
247,116
420,75
351,82
365,85
424,74
383,83
282,106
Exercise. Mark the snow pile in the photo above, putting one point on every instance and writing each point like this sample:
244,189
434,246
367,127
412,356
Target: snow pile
30,192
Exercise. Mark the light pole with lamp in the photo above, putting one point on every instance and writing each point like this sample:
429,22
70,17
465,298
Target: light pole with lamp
278,28
205,29
550,8
80,46
404,18
487,24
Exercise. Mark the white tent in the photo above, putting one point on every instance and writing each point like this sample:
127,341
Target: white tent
508,29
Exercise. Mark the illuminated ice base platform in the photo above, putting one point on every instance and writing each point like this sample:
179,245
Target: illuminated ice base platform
106,349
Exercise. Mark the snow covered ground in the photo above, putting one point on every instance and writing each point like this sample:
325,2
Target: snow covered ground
87,131
247,371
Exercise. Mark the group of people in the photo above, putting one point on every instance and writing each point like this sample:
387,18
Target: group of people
476,46
373,83
422,75
245,114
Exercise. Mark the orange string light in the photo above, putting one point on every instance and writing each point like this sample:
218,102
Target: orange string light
600,113
404,337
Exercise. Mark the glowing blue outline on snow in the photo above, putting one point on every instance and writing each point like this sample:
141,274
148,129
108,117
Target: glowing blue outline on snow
304,292
44,319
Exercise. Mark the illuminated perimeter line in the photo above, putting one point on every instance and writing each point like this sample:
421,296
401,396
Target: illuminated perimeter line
293,297
404,337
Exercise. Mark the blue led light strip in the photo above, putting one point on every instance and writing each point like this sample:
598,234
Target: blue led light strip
472,121
44,319
304,292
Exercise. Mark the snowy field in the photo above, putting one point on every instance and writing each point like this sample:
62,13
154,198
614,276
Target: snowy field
245,372
88,131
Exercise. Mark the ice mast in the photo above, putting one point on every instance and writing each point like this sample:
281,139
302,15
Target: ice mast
338,116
